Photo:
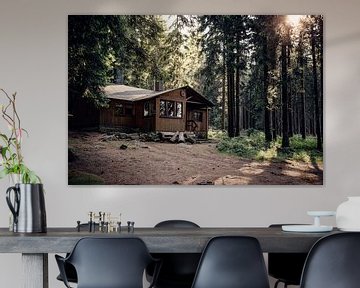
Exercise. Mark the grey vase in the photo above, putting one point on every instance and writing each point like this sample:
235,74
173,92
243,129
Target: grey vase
27,204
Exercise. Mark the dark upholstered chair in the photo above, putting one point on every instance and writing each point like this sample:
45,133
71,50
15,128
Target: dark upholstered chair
108,263
176,224
69,269
232,262
70,273
333,262
286,267
178,269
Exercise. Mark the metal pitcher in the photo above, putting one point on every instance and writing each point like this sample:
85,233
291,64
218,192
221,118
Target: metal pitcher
27,207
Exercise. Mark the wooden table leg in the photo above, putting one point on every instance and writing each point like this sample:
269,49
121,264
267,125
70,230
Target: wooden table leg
35,270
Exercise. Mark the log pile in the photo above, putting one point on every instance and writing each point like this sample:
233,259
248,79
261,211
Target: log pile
173,137
179,137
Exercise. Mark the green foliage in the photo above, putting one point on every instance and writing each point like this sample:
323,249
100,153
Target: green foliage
217,134
141,46
89,46
12,161
253,146
26,175
244,146
305,150
100,43
297,143
83,178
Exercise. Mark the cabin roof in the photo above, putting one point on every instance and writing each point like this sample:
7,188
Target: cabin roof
128,93
133,94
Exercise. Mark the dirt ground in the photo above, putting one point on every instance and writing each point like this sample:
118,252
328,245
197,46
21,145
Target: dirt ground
167,163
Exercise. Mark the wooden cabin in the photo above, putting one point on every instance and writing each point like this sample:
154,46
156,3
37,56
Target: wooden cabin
130,108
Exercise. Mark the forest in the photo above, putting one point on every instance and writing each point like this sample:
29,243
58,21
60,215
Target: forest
264,73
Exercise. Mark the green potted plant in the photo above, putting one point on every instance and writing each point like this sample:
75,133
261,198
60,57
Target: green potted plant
12,161
25,197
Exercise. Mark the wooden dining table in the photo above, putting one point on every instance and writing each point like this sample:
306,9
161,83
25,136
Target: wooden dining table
35,247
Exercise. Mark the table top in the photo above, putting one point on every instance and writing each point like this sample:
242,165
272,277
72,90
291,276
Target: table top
158,240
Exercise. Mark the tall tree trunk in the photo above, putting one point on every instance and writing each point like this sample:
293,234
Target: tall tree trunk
316,91
237,89
321,74
230,88
246,112
243,118
296,116
267,112
274,122
290,96
284,93
302,108
223,100
302,93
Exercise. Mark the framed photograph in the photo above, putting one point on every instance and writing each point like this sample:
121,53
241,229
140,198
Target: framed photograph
195,100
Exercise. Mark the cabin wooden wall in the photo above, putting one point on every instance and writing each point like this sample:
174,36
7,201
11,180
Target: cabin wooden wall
171,124
108,117
144,123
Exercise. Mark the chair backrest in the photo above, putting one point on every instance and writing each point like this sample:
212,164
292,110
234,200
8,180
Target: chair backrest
110,262
176,224
178,269
333,262
232,262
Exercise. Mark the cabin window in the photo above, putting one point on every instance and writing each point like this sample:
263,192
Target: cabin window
197,116
149,108
123,109
178,109
171,109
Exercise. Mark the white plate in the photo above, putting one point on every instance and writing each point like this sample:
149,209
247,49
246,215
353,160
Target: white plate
306,228
321,213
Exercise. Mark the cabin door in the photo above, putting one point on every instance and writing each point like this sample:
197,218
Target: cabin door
195,119
149,124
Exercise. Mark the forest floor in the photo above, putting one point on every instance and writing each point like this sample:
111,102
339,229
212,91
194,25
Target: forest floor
166,163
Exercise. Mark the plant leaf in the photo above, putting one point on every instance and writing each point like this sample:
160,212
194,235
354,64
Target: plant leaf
4,137
4,172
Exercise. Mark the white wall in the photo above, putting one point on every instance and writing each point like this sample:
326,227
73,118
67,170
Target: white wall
33,62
